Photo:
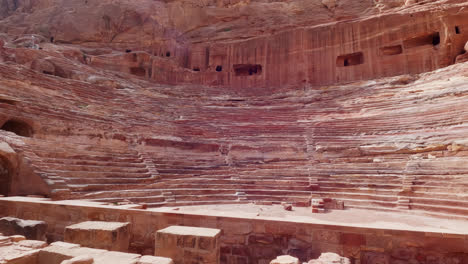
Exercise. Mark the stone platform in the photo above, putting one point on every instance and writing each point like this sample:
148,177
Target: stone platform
250,237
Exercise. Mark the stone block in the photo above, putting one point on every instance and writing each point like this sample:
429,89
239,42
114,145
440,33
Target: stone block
56,253
17,238
28,257
31,229
105,235
189,244
155,260
114,257
285,260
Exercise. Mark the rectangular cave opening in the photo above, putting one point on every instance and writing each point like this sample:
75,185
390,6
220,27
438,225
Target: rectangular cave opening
457,30
247,69
428,39
391,50
138,71
350,59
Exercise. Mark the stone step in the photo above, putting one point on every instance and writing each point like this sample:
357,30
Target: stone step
360,190
119,193
193,203
65,156
102,187
107,180
94,175
360,185
456,210
203,198
368,204
357,196
278,198
143,199
88,162
81,168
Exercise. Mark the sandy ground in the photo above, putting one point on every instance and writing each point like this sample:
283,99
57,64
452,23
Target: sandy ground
348,217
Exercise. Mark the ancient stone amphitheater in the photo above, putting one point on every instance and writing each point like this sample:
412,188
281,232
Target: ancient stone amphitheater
243,105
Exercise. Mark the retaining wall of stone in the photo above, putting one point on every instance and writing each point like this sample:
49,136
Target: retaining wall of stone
254,240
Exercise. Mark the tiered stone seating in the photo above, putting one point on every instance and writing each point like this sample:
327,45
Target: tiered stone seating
439,194
90,170
196,182
370,145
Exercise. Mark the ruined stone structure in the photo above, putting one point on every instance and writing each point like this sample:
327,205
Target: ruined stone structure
355,105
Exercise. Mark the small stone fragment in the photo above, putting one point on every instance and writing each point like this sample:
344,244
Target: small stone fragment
79,260
154,260
286,259
330,258
287,207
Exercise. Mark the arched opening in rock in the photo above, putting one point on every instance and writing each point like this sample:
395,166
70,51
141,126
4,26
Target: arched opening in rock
168,54
51,39
20,128
457,30
196,69
138,71
391,50
219,68
247,69
5,177
350,59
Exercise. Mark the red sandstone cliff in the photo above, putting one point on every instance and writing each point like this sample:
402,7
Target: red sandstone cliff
257,47
185,102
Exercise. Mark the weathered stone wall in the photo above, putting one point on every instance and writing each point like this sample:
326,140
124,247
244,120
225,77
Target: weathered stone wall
256,240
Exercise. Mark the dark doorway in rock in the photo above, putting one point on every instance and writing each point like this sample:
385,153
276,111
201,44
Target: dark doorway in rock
51,39
128,50
457,30
429,39
18,127
247,69
391,50
350,59
5,177
219,68
168,54
436,39
138,71
196,69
